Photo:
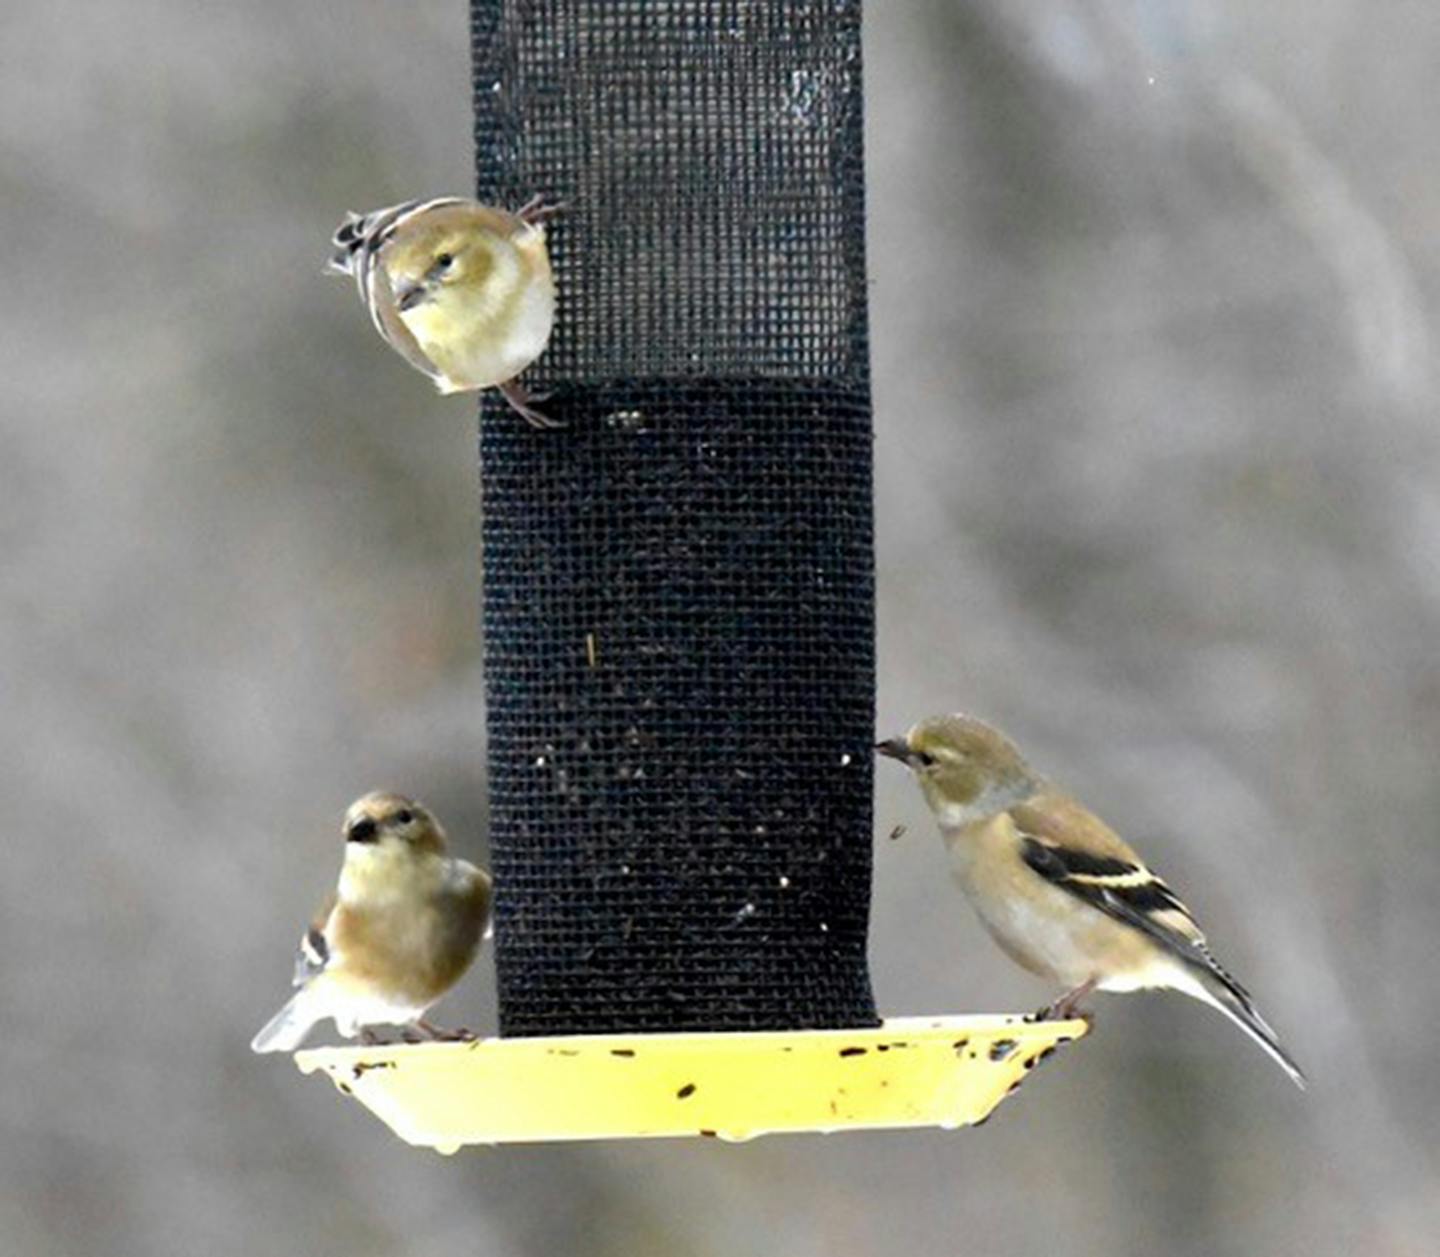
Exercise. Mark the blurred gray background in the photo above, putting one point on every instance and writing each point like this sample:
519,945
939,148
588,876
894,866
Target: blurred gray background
1159,491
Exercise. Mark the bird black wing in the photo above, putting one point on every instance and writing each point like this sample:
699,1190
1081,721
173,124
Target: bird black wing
313,954
1130,893
357,245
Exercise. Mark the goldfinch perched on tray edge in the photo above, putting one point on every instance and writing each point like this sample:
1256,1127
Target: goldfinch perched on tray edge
401,929
1057,888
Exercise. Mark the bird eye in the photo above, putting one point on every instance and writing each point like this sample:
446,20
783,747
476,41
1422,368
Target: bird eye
924,759
362,831
444,260
404,816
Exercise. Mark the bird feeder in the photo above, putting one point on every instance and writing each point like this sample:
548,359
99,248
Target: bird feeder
679,610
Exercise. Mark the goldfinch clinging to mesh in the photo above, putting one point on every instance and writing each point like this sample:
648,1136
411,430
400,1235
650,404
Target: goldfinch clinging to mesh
1059,890
399,931
462,291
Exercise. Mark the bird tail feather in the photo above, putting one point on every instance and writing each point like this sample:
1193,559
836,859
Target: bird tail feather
286,1030
1221,991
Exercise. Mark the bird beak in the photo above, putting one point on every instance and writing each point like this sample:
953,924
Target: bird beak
363,831
409,296
894,748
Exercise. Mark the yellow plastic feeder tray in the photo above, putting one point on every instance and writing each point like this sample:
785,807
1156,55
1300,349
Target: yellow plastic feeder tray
910,1071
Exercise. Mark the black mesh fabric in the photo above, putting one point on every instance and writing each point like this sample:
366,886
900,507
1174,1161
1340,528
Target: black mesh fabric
679,586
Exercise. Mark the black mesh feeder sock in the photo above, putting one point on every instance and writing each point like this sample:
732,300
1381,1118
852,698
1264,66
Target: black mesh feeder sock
679,592
679,606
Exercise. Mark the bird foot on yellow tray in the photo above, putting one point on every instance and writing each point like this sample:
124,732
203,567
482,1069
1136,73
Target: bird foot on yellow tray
440,1035
1053,1012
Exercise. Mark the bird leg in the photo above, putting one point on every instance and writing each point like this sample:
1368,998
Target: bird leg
439,1035
535,212
1067,1006
514,393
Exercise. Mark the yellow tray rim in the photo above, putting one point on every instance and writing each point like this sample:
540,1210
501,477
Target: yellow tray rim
946,1071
